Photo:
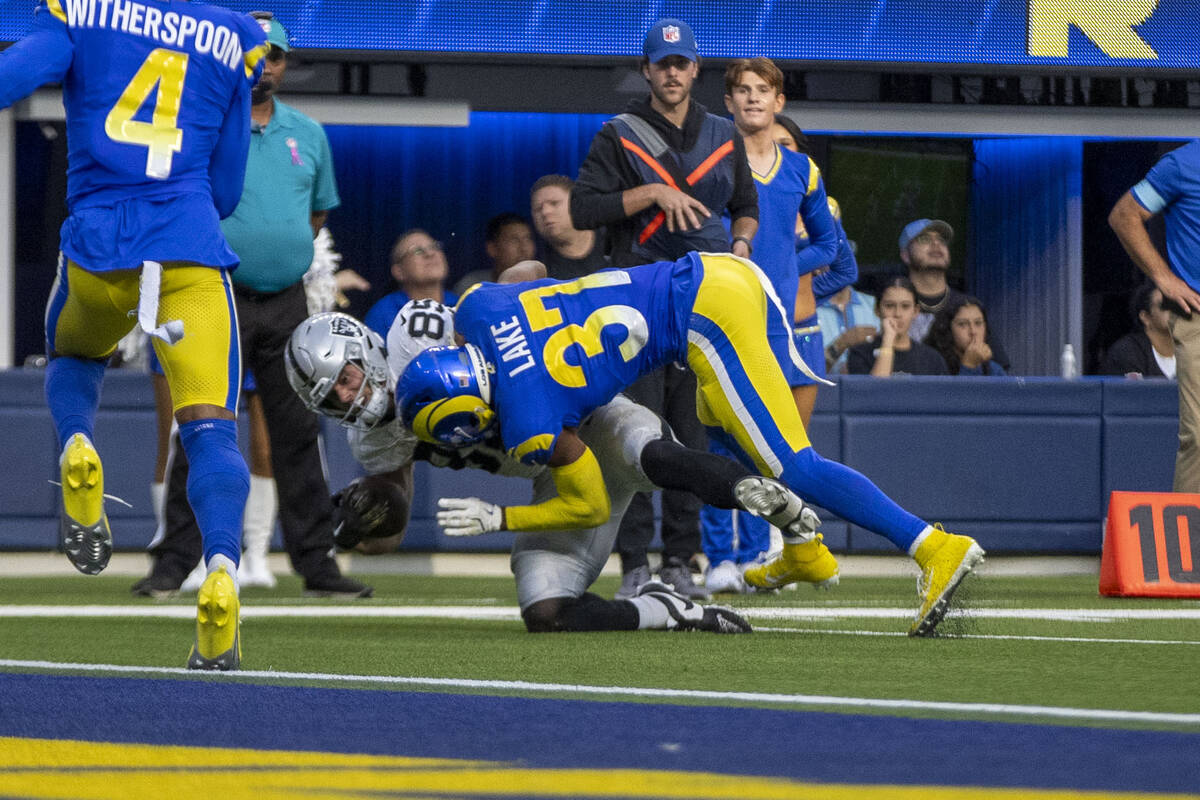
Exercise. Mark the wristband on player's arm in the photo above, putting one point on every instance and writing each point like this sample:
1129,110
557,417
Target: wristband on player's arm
582,500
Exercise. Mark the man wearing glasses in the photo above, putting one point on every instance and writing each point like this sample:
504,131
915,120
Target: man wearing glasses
288,193
419,268
925,251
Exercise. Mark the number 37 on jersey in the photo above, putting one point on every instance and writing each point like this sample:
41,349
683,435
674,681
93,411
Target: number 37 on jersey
569,344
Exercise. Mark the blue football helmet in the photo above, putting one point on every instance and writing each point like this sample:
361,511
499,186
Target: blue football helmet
445,394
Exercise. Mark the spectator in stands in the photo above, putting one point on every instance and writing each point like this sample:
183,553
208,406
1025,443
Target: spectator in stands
925,251
1150,351
629,184
419,268
286,198
508,241
959,334
847,318
895,352
569,252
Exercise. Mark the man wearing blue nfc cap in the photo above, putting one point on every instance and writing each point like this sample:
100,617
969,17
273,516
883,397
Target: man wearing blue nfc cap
658,179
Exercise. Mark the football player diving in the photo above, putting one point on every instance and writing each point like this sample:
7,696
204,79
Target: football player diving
538,357
341,370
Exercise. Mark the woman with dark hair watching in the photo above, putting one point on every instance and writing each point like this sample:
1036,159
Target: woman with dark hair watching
959,333
894,352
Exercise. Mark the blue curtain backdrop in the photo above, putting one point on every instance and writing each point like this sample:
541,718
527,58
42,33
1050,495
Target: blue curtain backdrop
1027,231
449,181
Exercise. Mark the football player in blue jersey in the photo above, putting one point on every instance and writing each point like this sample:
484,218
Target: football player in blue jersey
340,369
789,187
157,98
538,357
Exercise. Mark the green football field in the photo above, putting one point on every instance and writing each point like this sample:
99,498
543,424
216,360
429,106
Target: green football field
1045,649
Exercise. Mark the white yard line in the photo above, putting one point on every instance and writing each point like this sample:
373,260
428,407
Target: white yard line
1095,640
177,611
825,701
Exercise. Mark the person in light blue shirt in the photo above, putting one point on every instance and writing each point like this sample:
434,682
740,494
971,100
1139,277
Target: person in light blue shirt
847,318
1172,188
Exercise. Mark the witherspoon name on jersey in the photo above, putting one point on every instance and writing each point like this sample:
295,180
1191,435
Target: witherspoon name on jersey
170,29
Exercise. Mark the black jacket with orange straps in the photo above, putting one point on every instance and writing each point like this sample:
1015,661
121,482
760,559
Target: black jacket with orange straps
705,158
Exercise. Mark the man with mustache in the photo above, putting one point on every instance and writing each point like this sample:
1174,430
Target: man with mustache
658,178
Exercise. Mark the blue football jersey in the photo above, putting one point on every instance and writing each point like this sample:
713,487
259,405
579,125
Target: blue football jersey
561,349
157,95
792,186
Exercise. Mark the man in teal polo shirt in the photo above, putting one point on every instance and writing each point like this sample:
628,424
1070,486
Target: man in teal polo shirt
288,193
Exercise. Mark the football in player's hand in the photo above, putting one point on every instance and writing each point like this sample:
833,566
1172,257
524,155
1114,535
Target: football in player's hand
371,507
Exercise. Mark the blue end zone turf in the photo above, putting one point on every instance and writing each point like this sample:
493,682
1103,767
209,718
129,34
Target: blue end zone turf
547,733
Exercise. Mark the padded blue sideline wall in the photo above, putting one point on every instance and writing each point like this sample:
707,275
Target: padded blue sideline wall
1022,464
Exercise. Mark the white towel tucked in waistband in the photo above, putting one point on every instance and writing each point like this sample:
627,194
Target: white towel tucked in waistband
147,311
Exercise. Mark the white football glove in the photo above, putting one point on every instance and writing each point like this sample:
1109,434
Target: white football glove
468,516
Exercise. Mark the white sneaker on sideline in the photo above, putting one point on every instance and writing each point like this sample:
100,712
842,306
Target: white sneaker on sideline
725,578
195,579
254,570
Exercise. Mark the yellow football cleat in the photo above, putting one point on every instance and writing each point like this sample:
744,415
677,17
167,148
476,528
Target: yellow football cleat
218,644
945,559
809,561
83,531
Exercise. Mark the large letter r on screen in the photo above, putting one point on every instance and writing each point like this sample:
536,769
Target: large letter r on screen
1109,25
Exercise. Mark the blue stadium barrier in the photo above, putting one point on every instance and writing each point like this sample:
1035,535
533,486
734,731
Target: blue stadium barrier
1023,464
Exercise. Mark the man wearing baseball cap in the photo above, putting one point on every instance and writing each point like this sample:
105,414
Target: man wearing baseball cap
925,251
658,178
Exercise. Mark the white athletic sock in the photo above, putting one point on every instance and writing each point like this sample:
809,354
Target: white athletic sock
158,492
912,548
258,522
220,560
652,614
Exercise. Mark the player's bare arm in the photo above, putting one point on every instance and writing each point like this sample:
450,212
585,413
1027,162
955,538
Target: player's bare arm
1128,220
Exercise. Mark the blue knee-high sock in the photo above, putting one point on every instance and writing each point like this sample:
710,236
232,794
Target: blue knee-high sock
218,483
754,537
73,393
716,524
851,496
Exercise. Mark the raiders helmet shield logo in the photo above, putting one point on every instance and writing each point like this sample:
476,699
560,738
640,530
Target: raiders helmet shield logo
341,326
671,34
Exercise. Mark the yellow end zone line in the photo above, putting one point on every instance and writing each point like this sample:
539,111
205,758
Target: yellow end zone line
767,698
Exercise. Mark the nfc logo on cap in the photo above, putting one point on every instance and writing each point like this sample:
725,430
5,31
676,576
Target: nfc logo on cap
265,24
671,34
